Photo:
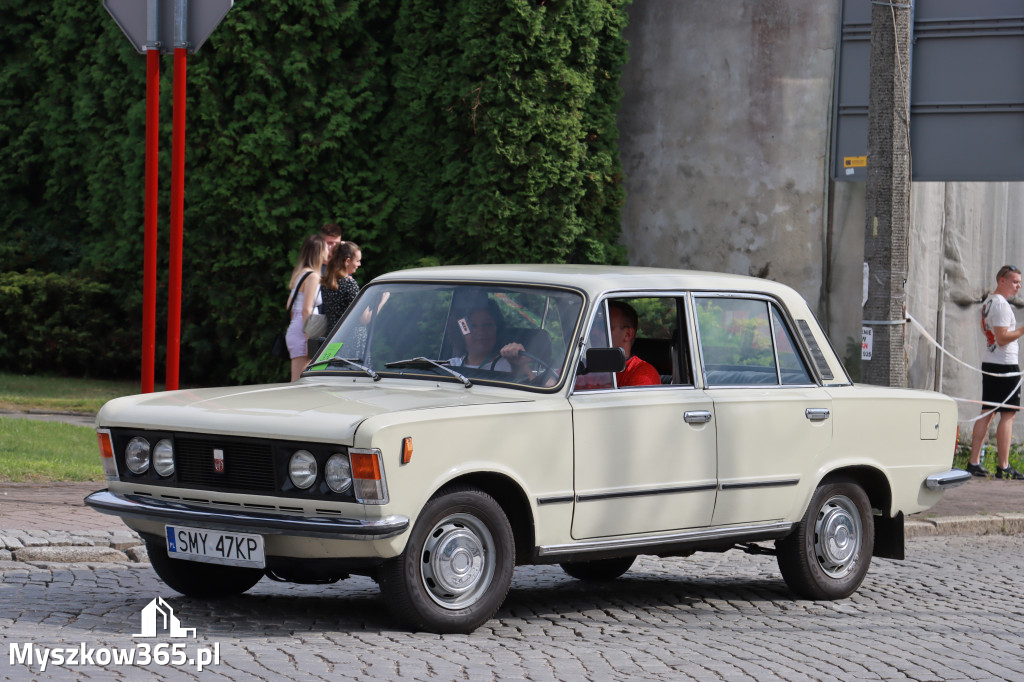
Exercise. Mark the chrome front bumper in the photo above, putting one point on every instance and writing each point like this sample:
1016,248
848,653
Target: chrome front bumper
166,511
946,480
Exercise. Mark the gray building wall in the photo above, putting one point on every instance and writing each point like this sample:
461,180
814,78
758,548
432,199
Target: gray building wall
725,129
724,136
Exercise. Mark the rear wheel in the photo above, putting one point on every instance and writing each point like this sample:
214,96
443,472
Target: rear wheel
457,566
828,554
195,579
598,569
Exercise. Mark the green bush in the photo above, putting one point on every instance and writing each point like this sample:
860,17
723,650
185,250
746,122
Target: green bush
474,131
63,323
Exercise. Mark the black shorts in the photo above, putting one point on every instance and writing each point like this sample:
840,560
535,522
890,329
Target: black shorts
997,390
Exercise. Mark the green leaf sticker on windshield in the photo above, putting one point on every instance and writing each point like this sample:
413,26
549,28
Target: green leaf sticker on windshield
329,352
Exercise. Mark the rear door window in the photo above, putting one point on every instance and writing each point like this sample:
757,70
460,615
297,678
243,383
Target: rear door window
745,342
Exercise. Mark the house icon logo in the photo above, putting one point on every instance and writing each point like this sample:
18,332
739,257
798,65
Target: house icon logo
158,614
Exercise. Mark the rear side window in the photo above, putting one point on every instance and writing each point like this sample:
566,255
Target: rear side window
745,342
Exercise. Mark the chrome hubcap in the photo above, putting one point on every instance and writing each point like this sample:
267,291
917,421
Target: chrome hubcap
457,562
837,536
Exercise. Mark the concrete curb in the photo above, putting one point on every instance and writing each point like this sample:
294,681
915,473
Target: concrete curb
42,548
75,418
994,524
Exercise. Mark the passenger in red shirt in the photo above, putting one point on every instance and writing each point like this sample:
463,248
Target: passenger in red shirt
624,321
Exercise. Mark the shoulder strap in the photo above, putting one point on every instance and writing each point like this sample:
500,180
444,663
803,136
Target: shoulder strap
291,303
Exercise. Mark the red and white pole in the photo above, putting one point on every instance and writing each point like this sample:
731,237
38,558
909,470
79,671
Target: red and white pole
150,237
177,219
144,23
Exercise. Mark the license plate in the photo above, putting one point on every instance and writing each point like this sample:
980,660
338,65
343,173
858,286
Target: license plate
215,547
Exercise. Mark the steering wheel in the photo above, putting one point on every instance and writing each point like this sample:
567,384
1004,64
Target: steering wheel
539,379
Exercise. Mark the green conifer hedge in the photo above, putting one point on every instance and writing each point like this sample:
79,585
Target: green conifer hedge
457,132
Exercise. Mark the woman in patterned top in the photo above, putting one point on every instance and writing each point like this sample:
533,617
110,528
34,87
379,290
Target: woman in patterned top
338,288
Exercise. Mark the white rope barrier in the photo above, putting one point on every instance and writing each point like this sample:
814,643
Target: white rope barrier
996,406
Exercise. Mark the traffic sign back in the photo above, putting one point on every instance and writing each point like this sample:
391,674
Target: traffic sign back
202,16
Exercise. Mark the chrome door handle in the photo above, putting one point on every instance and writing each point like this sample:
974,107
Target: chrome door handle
816,414
697,417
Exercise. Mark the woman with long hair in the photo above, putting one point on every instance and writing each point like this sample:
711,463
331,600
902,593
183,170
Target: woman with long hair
305,290
338,287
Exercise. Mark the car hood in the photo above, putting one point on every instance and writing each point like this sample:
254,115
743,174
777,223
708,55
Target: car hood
309,409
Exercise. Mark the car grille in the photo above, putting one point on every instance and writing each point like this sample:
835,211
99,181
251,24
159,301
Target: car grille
247,466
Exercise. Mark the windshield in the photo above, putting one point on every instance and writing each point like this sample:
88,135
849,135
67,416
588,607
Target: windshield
469,333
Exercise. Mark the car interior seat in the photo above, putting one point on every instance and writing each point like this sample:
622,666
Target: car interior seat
657,352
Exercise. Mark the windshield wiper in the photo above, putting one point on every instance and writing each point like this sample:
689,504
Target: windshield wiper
352,363
427,362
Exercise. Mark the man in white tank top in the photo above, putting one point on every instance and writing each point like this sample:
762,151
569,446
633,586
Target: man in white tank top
1000,358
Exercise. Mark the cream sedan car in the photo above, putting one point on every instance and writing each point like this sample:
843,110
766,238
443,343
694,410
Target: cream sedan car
460,421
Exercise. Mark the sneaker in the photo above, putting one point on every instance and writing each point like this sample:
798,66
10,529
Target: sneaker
977,470
1009,473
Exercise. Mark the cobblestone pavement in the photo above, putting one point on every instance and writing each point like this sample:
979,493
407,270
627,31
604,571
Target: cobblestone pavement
951,611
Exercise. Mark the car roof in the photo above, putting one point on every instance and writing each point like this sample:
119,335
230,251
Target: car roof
595,279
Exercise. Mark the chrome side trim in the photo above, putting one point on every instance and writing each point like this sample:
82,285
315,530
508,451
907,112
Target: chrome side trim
590,497
760,484
165,511
562,499
779,528
947,479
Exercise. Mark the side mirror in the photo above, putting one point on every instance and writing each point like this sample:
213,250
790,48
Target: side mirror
602,360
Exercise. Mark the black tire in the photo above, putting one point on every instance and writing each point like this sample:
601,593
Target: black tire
829,553
598,569
195,579
457,565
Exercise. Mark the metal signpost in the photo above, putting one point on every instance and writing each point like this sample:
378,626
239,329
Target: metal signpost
156,27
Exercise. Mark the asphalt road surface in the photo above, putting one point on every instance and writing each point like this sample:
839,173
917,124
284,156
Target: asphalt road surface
954,610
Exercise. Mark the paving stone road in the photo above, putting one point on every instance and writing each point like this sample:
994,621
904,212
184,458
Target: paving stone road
74,579
952,611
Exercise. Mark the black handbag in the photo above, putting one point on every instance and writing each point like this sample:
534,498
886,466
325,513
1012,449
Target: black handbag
279,347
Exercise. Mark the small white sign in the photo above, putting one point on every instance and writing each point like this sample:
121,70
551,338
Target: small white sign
867,342
864,294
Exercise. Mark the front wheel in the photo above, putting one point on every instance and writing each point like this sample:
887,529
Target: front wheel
457,566
195,579
828,554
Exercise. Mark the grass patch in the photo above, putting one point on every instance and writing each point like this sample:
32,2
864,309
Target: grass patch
37,451
989,458
60,394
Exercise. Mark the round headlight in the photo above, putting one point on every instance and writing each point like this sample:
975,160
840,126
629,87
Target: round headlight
302,469
338,473
136,455
163,457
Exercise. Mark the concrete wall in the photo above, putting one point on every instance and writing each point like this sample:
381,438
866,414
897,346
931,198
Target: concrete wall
724,136
725,130
961,234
